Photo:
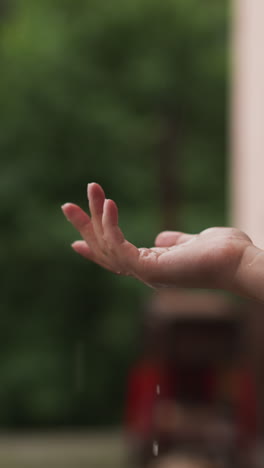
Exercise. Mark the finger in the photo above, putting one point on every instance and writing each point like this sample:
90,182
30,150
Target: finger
122,252
75,215
170,238
96,197
84,250
112,232
82,222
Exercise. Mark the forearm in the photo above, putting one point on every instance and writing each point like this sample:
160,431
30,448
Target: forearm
249,280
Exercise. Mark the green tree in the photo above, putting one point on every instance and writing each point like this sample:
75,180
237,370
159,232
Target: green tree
96,91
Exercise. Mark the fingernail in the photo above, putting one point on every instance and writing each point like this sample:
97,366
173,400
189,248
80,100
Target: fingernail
74,248
63,208
89,187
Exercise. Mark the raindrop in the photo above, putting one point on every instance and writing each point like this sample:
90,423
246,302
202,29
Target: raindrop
155,448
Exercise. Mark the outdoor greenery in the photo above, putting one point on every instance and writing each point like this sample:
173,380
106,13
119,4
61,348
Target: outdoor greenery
93,90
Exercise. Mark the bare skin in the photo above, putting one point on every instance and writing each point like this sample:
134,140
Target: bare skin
218,258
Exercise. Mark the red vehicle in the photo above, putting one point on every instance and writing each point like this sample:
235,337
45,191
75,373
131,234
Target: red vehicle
191,391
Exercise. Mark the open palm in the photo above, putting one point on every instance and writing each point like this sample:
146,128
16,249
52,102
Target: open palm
209,259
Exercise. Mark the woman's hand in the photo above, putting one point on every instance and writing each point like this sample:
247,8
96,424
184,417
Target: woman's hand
212,259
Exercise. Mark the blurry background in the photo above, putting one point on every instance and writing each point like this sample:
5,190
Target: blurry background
127,94
130,94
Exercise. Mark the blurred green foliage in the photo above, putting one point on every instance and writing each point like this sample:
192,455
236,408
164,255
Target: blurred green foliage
87,89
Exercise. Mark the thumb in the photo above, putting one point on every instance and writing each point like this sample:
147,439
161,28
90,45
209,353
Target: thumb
170,238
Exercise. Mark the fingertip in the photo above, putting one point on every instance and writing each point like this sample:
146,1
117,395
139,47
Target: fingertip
159,238
110,203
106,203
65,206
110,211
90,186
82,248
76,244
75,249
69,207
94,189
76,216
66,210
166,238
170,238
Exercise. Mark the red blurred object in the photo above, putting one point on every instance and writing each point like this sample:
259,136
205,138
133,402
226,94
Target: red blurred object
142,395
192,358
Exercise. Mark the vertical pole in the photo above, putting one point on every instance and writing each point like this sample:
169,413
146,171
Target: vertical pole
247,161
247,167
